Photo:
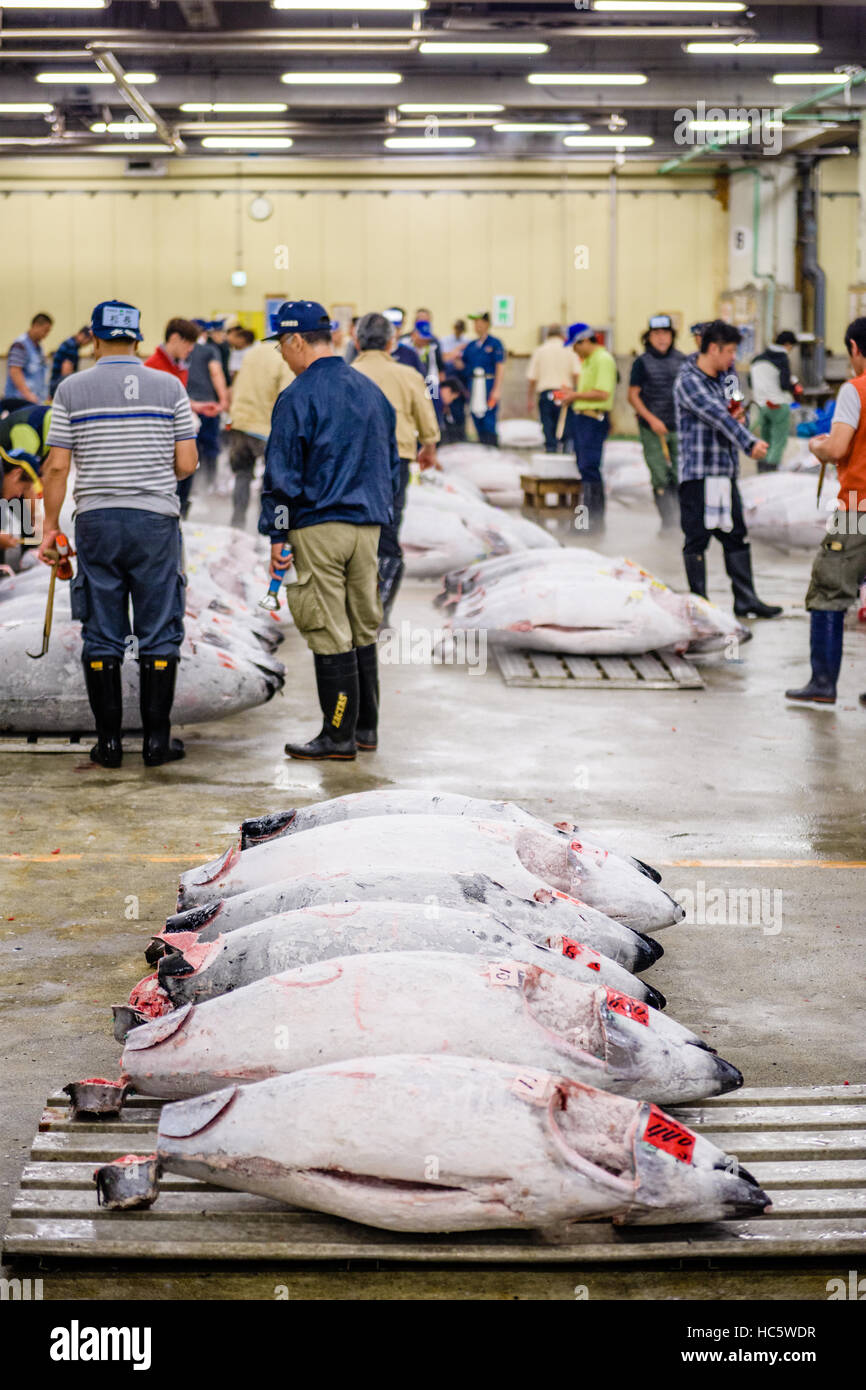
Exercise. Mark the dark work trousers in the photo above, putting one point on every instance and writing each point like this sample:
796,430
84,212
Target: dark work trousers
244,450
696,537
588,436
389,543
124,554
208,445
485,427
548,413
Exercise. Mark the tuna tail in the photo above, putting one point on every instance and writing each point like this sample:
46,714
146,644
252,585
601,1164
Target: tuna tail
128,1182
269,827
648,951
647,869
194,918
171,965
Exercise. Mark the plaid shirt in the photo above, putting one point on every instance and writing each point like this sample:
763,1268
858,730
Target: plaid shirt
709,436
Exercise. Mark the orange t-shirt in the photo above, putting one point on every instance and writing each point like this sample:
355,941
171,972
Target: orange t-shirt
852,468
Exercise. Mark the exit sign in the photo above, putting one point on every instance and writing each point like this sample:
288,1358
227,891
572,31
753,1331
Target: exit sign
503,311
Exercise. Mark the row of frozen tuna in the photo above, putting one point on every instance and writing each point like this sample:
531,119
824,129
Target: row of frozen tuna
448,522
578,602
420,1012
227,657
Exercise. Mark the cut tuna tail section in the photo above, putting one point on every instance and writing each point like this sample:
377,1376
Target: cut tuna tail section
263,828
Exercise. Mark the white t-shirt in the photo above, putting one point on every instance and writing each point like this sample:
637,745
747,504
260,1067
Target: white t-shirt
552,365
847,409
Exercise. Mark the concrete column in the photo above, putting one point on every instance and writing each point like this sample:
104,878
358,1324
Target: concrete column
861,205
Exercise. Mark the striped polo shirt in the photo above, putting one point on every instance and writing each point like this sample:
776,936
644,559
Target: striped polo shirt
121,420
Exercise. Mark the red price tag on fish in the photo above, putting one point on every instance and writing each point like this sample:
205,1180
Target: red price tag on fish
664,1133
506,972
619,1003
536,1087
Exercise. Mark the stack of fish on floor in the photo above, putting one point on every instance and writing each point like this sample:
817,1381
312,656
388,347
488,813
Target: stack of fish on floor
580,602
420,1012
227,656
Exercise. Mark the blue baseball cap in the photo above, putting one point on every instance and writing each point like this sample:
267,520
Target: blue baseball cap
115,319
298,316
423,328
577,332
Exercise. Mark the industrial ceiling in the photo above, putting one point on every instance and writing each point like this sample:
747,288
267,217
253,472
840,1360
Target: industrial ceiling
603,81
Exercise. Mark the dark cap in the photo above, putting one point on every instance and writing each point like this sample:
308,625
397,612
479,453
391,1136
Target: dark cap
115,319
298,316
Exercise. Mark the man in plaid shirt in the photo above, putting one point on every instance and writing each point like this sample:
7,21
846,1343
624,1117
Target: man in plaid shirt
710,437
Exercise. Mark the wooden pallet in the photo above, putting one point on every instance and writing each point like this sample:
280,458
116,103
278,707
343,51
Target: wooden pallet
806,1145
652,671
536,491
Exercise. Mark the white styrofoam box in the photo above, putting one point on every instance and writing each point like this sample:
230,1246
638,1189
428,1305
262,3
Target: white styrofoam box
553,466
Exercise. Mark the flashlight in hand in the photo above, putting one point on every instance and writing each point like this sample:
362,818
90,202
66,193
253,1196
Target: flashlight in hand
271,600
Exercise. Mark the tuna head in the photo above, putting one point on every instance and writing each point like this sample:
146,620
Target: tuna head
628,894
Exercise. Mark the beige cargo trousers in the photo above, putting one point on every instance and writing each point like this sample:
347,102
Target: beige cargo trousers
335,602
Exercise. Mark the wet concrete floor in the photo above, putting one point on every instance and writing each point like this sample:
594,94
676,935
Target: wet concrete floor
723,788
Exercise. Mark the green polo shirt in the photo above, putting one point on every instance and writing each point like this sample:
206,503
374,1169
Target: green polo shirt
597,373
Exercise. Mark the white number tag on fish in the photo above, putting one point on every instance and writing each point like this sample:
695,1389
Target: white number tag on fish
506,972
536,1087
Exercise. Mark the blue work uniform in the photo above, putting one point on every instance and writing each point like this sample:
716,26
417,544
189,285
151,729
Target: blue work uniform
27,355
67,352
332,452
485,353
406,354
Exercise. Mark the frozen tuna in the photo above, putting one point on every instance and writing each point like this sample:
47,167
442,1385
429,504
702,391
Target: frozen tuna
534,910
506,852
443,1143
398,1001
192,968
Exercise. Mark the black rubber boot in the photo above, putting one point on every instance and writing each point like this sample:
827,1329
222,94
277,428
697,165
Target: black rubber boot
366,734
738,564
337,682
767,467
668,506
105,693
825,651
696,573
592,496
158,675
390,574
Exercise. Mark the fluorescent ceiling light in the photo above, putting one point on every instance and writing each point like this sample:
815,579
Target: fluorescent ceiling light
86,79
667,7
247,142
224,106
609,142
54,5
421,142
739,49
449,122
720,125
131,127
460,48
25,108
348,4
118,148
808,79
420,108
586,79
532,126
348,79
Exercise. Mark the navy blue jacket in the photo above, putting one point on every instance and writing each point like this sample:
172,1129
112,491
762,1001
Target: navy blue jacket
332,452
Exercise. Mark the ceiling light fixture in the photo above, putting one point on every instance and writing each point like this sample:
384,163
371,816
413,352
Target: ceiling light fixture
348,79
668,7
587,79
458,49
247,142
86,79
226,106
349,5
421,142
129,127
609,142
25,108
434,107
807,79
740,49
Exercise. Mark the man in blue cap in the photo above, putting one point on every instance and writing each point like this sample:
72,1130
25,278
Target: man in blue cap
591,404
131,433
331,474
486,354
